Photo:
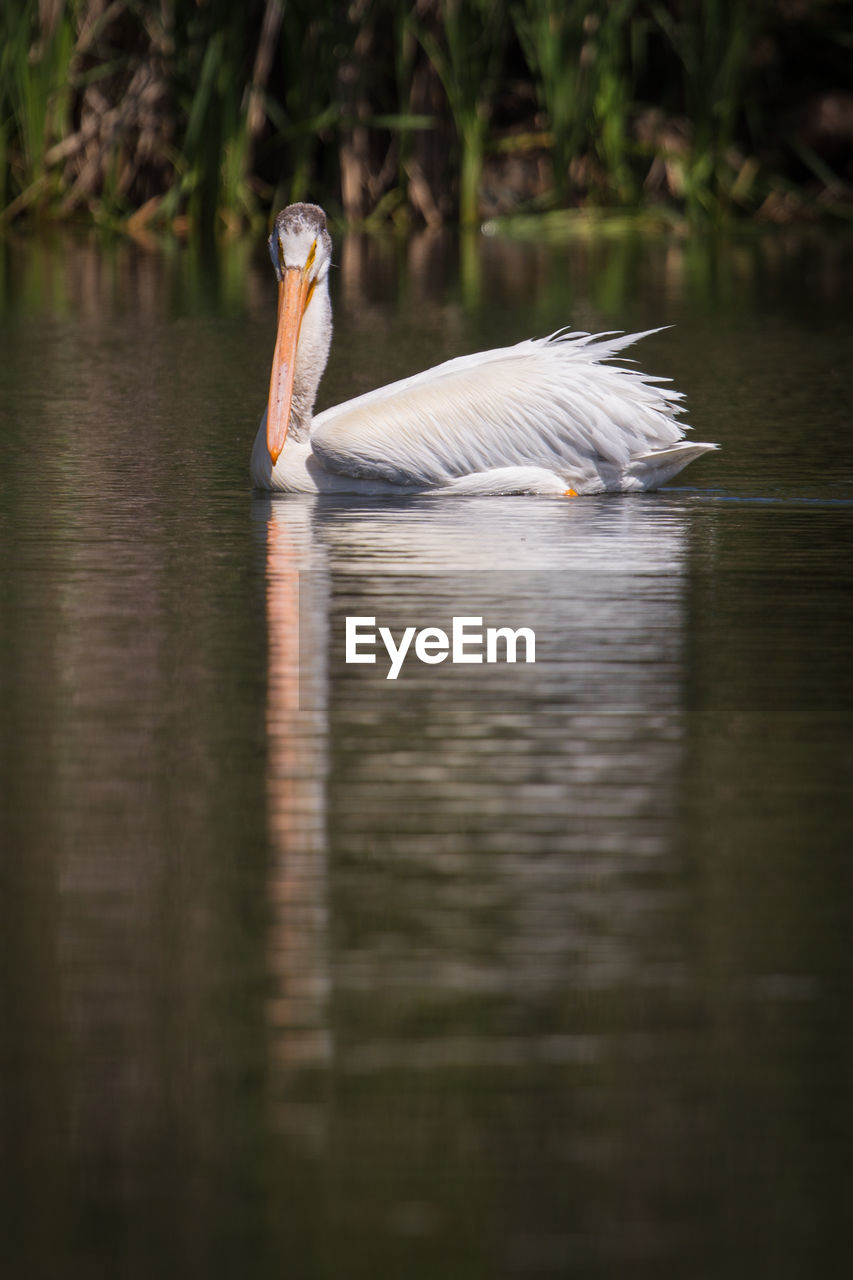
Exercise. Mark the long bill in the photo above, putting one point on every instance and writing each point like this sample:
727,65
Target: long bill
294,291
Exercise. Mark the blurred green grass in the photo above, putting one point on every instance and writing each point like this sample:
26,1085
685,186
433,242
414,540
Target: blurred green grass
203,115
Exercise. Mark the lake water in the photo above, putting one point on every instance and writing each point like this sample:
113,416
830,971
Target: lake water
490,970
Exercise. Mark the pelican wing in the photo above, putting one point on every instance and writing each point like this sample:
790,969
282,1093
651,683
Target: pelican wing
547,403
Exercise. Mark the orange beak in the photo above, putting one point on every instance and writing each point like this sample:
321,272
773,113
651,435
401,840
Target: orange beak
294,293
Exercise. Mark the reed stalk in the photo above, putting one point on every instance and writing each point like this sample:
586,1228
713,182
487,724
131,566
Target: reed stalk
713,42
553,38
35,94
466,48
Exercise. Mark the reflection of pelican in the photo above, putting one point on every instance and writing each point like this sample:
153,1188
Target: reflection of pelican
593,774
296,785
545,416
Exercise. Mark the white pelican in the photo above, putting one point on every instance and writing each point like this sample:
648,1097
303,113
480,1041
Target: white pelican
545,416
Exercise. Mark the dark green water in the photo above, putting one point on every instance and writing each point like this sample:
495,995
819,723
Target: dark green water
491,970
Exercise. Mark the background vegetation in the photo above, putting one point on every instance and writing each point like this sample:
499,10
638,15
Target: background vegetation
206,113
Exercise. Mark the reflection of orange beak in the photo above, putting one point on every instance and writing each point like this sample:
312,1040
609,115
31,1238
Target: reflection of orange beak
294,292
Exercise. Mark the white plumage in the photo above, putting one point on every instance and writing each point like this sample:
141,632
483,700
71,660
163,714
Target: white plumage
544,416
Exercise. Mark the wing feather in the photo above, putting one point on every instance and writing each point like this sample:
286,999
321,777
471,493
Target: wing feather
547,402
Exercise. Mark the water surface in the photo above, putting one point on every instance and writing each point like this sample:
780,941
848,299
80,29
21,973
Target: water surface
490,970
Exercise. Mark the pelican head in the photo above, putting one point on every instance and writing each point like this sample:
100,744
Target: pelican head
301,252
